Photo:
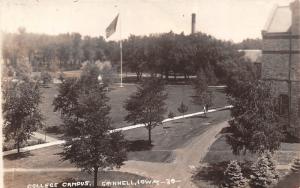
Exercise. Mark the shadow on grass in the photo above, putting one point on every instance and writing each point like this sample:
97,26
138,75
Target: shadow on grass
200,116
214,172
226,130
177,122
138,145
54,129
288,138
291,180
17,156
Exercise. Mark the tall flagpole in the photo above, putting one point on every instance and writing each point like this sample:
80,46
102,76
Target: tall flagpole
121,49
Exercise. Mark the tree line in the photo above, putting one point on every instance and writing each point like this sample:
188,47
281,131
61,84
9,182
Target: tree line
164,54
54,52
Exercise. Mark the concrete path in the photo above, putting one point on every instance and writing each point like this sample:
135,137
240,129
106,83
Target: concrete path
180,171
186,161
54,141
30,148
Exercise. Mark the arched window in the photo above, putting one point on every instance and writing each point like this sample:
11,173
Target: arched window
283,104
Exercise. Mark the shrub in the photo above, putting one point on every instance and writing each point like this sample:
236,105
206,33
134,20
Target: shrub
171,115
233,176
182,108
262,175
54,129
296,165
272,166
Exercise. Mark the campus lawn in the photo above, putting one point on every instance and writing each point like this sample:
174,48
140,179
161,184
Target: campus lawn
22,179
166,138
117,95
170,136
221,151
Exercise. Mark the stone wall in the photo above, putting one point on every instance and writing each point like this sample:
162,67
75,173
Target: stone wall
275,67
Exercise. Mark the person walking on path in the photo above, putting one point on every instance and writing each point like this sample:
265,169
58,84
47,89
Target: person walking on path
204,110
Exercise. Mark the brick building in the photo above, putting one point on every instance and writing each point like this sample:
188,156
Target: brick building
281,61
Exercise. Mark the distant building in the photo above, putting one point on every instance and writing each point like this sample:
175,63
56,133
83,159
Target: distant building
281,60
254,56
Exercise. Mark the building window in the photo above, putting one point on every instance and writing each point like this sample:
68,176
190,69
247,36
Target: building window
283,105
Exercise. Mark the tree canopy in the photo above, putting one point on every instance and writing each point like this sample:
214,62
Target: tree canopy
21,112
147,104
255,126
164,54
85,113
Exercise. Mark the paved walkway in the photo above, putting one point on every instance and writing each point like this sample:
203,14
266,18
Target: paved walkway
186,161
54,141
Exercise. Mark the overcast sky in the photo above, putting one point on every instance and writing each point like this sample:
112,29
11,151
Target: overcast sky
225,19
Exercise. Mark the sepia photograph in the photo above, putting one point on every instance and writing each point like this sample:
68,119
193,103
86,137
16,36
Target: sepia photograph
150,93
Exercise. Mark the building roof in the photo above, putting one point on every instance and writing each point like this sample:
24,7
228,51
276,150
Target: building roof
253,55
280,20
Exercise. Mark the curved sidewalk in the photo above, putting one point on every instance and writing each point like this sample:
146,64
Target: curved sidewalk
54,141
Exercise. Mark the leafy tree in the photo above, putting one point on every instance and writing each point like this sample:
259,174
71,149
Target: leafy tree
261,176
202,96
182,108
61,76
21,111
255,126
107,72
134,55
296,165
147,104
85,113
23,70
46,77
233,176
250,44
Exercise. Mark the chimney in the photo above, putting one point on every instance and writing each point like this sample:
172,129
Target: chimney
295,8
193,23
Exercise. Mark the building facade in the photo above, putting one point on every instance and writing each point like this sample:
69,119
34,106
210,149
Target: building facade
281,61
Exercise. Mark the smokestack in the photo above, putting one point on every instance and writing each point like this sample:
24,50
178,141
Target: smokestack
193,23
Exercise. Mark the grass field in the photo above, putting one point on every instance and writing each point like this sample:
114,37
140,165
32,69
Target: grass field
170,136
165,139
176,94
221,151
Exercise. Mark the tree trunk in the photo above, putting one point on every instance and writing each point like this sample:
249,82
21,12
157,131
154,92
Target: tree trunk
95,177
18,146
167,75
149,135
